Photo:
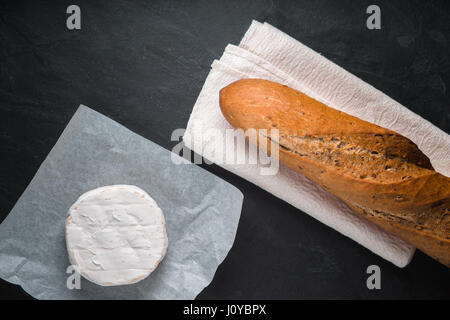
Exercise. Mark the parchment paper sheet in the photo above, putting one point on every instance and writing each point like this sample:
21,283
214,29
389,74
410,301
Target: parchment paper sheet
202,213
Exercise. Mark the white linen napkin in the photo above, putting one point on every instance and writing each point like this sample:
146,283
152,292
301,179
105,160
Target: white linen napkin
267,53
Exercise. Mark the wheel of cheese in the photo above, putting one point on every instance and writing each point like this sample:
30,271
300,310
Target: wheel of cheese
115,235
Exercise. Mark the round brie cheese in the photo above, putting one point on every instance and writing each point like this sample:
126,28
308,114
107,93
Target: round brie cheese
116,235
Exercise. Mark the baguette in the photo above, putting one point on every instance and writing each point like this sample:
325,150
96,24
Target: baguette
378,173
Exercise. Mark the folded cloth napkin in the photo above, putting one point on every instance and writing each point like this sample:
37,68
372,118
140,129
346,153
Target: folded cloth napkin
267,53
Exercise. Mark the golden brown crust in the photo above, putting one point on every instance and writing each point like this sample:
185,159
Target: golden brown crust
379,173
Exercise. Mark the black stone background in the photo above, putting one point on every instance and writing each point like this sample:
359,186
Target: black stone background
143,63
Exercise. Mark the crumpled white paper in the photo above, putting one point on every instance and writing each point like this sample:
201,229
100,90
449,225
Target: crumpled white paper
201,211
266,52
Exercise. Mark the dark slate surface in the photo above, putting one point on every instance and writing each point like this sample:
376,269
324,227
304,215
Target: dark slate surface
143,63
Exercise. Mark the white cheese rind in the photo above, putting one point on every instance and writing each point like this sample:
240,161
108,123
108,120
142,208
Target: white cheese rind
116,235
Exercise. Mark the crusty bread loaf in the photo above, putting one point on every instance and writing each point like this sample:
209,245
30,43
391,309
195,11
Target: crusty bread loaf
377,172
